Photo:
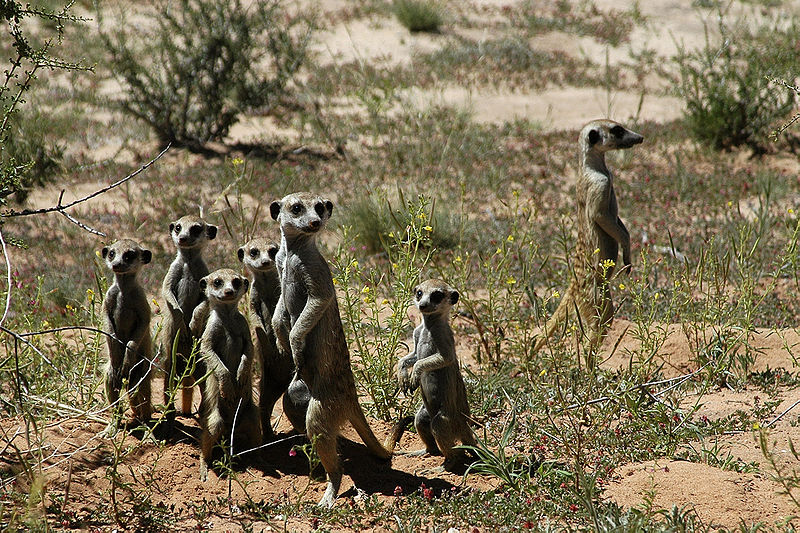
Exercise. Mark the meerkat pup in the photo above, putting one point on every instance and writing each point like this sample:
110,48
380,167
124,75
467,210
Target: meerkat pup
443,417
182,295
277,367
315,335
126,316
600,234
227,352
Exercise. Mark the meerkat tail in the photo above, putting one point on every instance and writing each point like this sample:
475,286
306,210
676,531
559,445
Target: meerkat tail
557,320
397,432
359,422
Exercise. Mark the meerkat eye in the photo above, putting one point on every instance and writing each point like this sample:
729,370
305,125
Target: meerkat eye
297,209
196,230
319,208
418,294
177,228
217,283
618,131
111,254
237,283
254,252
129,256
437,296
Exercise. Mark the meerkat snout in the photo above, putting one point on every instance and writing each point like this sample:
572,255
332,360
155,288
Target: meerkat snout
605,135
125,256
224,286
434,296
191,231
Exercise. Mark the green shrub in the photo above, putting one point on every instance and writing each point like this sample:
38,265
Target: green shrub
418,15
725,86
206,62
27,144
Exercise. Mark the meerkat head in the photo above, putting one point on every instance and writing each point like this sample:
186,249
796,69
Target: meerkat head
301,213
258,255
224,287
191,232
126,256
435,297
606,135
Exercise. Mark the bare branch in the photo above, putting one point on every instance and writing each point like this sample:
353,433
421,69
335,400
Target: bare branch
59,207
8,279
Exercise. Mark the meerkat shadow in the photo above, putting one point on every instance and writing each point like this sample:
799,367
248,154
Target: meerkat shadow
281,456
174,431
376,476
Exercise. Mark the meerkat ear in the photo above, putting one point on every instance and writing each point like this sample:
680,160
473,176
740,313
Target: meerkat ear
147,256
171,227
454,298
275,209
211,231
329,207
240,254
104,251
594,136
246,284
203,285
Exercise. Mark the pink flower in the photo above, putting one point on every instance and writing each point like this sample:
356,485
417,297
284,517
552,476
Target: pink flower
292,452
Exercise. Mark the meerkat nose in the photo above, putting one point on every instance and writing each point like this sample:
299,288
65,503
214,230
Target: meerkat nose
314,223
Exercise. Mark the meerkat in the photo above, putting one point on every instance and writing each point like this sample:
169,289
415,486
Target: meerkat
600,235
277,367
227,351
433,366
315,335
126,317
182,295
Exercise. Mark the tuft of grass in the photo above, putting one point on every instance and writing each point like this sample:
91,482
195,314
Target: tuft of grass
419,15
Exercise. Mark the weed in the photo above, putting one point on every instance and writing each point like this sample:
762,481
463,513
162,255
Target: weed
725,85
208,66
418,15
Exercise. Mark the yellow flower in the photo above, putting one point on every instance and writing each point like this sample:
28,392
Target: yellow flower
237,161
354,264
656,296
510,238
515,193
97,253
510,280
89,294
556,294
421,216
335,281
365,290
457,259
596,251
543,372
790,211
391,235
730,204
622,286
428,228
756,425
385,301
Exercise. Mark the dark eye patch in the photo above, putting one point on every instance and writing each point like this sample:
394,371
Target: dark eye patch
129,256
253,252
297,209
177,228
418,294
196,230
218,283
618,131
237,283
111,254
319,208
437,296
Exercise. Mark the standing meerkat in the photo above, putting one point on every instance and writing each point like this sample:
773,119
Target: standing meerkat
600,234
315,335
126,316
444,415
227,351
182,295
277,367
